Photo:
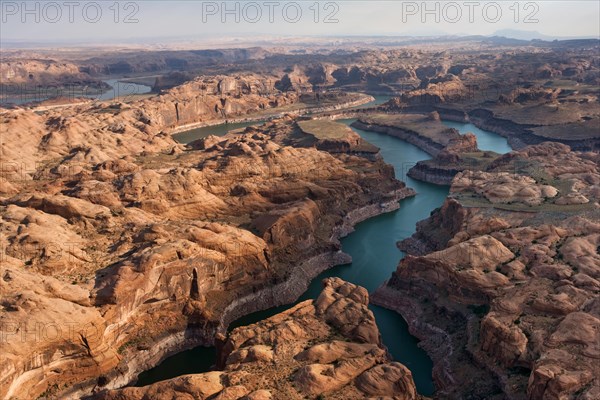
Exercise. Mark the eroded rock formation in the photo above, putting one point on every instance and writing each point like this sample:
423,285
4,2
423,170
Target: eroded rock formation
123,246
328,347
505,275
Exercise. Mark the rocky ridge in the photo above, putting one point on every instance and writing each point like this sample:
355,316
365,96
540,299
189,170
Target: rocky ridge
200,233
98,132
327,347
505,276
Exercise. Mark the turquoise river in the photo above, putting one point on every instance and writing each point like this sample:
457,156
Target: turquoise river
374,257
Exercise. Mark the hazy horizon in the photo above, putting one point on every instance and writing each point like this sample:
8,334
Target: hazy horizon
145,21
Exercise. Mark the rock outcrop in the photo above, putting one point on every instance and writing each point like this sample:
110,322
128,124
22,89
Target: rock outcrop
428,134
29,73
460,154
505,275
328,347
98,132
114,257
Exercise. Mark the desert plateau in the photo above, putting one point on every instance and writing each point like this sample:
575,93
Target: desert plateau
190,212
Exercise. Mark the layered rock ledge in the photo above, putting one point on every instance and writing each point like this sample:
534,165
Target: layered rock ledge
115,258
502,282
329,347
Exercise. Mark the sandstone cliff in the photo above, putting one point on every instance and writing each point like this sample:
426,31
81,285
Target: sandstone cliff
329,347
97,132
123,247
45,72
505,275
460,154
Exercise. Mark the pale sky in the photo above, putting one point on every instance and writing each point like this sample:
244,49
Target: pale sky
126,21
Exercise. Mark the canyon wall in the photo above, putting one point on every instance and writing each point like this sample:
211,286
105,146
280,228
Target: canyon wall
505,276
122,246
327,347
